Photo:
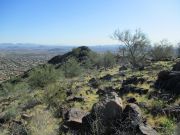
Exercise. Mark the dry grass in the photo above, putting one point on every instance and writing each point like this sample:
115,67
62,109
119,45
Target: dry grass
42,122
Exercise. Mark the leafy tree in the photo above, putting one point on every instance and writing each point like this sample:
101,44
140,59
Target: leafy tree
162,50
71,68
136,44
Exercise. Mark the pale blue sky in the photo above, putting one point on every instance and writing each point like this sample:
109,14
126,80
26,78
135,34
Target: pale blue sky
86,22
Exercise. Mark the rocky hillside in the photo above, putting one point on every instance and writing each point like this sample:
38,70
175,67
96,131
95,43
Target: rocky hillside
80,53
116,100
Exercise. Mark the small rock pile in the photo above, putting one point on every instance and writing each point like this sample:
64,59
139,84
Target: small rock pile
107,117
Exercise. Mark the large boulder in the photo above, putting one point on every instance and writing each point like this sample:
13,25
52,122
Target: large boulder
172,111
110,108
176,67
133,121
169,81
73,118
108,117
132,115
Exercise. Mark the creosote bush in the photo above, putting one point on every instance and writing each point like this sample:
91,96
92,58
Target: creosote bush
162,51
71,68
43,75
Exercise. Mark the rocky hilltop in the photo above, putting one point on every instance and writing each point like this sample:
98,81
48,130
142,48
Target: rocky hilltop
73,95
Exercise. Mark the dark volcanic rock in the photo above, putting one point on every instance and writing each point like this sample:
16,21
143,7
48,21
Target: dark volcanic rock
105,91
169,81
109,108
131,100
176,67
172,111
134,123
107,117
80,53
107,77
30,104
93,83
133,80
69,92
75,98
147,130
122,68
132,89
132,114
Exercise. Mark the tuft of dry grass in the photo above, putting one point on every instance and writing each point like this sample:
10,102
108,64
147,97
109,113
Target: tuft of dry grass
42,122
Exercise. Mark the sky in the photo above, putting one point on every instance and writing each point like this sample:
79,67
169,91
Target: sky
86,22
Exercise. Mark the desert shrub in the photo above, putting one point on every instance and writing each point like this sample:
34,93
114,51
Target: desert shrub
105,60
10,114
162,51
166,126
8,88
43,123
41,76
71,68
18,129
177,130
55,94
108,59
4,131
5,88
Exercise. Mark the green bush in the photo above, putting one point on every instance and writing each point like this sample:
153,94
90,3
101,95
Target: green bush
41,76
108,60
71,68
10,113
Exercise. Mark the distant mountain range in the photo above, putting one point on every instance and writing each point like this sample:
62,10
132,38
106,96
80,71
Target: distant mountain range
10,47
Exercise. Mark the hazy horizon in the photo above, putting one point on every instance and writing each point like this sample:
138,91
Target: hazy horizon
90,22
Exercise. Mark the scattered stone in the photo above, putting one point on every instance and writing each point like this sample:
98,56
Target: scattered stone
30,104
69,92
132,89
75,98
143,105
108,111
172,111
131,100
147,130
105,91
122,68
133,80
93,83
26,116
121,73
107,77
